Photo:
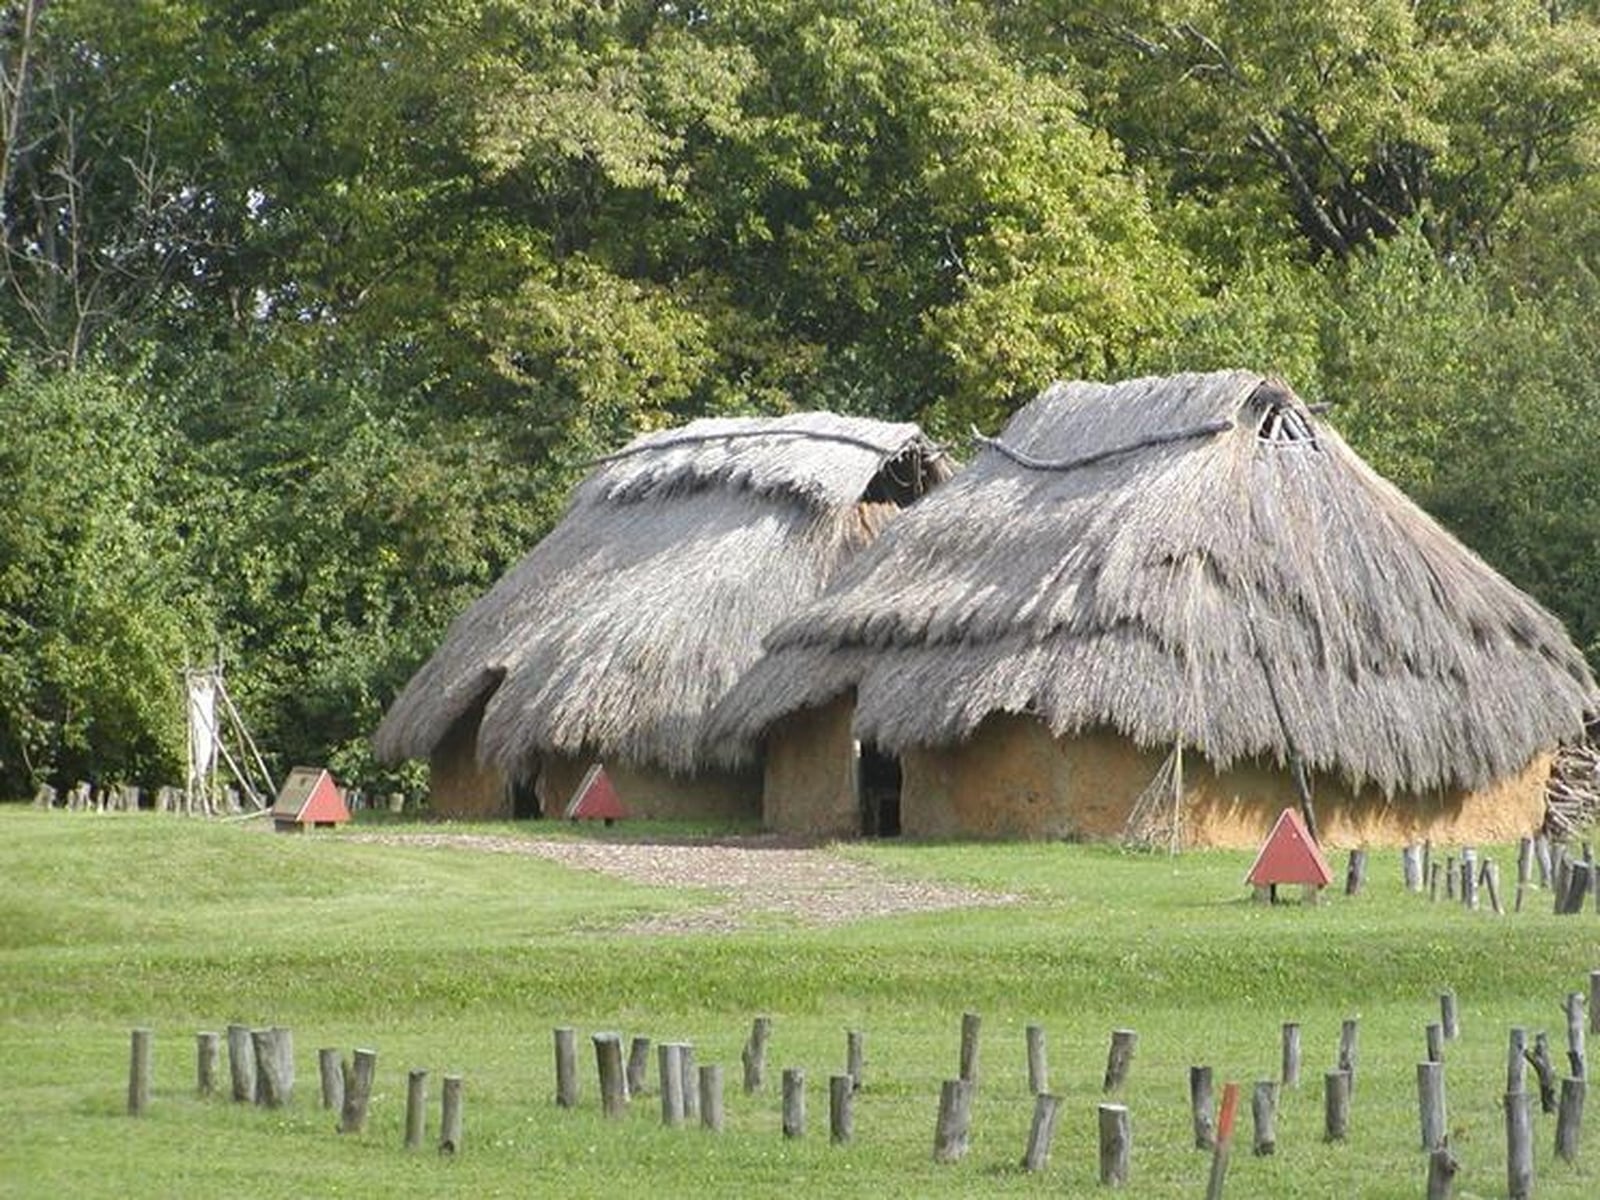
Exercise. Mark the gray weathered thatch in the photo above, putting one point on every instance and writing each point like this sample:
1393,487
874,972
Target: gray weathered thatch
616,635
1183,558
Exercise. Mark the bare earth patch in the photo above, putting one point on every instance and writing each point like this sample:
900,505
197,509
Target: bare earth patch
752,878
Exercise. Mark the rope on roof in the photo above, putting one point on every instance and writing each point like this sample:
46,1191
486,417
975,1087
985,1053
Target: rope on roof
1027,461
697,439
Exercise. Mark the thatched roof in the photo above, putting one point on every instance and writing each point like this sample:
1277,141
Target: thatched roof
1182,559
617,633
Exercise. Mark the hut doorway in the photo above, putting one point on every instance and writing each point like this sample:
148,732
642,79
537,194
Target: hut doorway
878,790
525,803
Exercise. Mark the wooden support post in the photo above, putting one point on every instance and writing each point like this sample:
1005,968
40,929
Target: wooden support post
416,1107
1575,1049
711,1113
450,1114
1290,1074
139,1073
1517,1060
1433,1035
1434,872
1539,1059
1579,878
1524,870
755,1055
1120,1058
1491,881
1264,1111
1411,867
332,1078
1116,1144
357,1090
689,1073
1450,877
1442,1168
566,1040
272,1089
608,1065
1519,1146
1355,873
207,1057
638,1066
970,1024
242,1063
671,1081
1347,1048
1336,1105
1224,1145
1200,1100
1569,1119
1427,859
1430,1104
1038,1069
1449,1016
855,1058
955,1120
1046,1110
1469,877
1541,858
841,1120
794,1102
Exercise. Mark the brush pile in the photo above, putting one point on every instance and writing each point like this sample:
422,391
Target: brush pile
1572,794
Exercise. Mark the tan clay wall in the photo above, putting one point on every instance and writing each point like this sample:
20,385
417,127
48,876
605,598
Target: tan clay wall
1012,779
810,782
457,786
655,795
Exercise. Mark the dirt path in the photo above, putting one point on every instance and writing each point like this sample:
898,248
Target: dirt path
750,878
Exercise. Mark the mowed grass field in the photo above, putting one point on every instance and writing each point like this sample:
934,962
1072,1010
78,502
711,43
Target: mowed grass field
462,962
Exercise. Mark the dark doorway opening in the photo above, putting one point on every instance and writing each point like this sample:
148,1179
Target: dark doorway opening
878,785
525,804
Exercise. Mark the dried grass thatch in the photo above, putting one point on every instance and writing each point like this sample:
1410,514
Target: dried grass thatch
617,634
1195,559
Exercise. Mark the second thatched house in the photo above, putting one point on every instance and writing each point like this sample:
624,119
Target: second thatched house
1166,609
615,636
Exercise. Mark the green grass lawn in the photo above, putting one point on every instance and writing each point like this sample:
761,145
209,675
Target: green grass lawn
462,962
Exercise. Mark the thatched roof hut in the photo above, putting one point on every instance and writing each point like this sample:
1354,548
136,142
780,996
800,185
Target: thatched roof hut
1196,562
614,637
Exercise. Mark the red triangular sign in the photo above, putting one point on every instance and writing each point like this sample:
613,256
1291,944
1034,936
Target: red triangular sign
1289,855
596,798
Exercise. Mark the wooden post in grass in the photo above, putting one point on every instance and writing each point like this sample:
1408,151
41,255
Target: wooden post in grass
1517,1060
1569,1119
1430,1104
608,1065
450,1114
1434,872
139,1073
1336,1105
1519,1146
1411,867
1224,1141
272,1090
1116,1144
1449,1016
970,1024
1574,1008
1120,1058
1433,1035
1264,1111
711,1097
332,1078
855,1058
1539,1059
841,1120
1038,1070
1290,1074
638,1066
1355,873
1046,1110
1594,1001
1541,858
1205,1133
1469,877
689,1073
566,1039
755,1055
1427,860
1524,870
955,1120
416,1107
1442,1168
1491,881
207,1057
1347,1048
241,1063
1450,877
670,1055
357,1090
794,1102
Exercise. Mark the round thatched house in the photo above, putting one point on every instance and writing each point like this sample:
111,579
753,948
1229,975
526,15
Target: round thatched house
1167,608
615,636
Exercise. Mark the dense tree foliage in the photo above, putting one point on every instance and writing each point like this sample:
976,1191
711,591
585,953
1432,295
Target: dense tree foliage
312,310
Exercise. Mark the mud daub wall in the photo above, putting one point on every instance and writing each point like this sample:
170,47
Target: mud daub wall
1013,779
809,786
651,794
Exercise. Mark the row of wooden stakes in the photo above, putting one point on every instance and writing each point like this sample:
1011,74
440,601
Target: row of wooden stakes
1569,879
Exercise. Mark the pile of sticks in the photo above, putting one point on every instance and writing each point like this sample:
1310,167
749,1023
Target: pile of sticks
1572,794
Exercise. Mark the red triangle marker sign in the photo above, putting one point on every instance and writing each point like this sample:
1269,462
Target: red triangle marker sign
1289,855
596,798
